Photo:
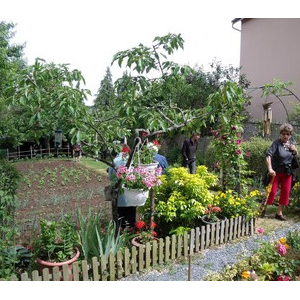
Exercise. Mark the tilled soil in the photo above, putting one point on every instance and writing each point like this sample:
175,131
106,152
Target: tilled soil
52,188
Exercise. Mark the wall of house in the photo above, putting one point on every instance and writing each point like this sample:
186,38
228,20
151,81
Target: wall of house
270,49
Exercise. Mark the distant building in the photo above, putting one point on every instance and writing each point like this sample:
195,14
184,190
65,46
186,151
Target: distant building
270,48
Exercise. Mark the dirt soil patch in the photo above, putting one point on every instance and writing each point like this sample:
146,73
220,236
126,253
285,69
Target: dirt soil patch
52,188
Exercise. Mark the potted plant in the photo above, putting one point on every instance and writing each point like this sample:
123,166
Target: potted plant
56,245
144,233
145,155
136,183
212,215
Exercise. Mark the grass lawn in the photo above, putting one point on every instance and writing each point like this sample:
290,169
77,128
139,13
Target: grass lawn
94,164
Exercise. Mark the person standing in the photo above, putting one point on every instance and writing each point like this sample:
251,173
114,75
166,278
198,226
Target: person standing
126,214
189,149
279,157
77,152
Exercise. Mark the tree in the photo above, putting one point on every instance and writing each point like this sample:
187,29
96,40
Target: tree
11,62
105,95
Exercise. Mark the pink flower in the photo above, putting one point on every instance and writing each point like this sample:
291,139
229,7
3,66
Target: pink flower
238,151
260,230
248,154
283,278
281,249
238,142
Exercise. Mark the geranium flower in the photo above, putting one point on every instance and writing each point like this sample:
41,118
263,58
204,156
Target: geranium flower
283,278
156,143
140,224
281,249
260,230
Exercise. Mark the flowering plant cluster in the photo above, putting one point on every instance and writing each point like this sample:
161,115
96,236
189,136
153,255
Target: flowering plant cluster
147,152
212,213
139,178
273,261
145,232
233,206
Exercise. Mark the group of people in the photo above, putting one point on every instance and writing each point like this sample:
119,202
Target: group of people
280,160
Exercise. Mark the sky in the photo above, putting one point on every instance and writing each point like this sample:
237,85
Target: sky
86,34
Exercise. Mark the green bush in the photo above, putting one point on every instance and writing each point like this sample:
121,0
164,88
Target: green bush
173,155
256,148
182,198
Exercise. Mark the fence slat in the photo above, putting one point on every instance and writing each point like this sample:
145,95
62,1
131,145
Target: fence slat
141,259
173,247
179,246
235,228
24,277
222,229
126,262
36,277
154,253
230,229
103,267
185,244
76,271
148,256
161,251
207,240
217,235
85,270
239,232
167,248
112,270
226,232
202,238
120,269
213,234
56,274
192,242
133,260
95,268
197,240
66,273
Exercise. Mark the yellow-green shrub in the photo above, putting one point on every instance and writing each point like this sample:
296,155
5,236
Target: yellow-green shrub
183,197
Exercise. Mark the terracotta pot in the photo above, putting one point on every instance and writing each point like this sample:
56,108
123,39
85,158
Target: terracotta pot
47,264
135,241
135,197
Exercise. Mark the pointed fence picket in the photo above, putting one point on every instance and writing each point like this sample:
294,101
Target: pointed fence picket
131,261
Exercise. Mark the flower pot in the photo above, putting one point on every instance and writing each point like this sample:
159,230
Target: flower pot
135,197
207,221
47,264
135,241
151,167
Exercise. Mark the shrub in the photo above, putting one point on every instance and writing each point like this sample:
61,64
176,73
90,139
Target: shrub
173,155
183,197
255,149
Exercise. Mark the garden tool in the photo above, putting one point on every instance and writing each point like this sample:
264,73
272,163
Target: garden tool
264,204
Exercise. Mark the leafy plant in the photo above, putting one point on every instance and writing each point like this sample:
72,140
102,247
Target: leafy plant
56,242
96,242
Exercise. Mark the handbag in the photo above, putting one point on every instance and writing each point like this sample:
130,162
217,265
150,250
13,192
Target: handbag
295,163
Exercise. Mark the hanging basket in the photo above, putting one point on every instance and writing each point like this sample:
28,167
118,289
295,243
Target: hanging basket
151,167
135,197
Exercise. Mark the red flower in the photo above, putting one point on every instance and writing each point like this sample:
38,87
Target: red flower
216,209
144,133
155,143
154,234
140,224
152,225
283,278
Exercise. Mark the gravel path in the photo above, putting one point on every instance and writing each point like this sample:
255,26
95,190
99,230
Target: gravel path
214,259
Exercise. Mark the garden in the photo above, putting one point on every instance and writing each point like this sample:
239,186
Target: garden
59,218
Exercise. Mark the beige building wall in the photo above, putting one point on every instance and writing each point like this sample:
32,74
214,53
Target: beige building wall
270,48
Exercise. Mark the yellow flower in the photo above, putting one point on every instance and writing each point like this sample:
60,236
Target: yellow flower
286,246
282,240
245,274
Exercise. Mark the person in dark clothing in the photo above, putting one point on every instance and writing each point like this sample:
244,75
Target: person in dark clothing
162,161
189,149
279,157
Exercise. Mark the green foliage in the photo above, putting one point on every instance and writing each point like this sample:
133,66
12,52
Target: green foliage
230,103
295,196
182,197
56,241
94,241
173,155
256,149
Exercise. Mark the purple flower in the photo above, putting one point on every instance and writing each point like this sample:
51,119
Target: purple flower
238,151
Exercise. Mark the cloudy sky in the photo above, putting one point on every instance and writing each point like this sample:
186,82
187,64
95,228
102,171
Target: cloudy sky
86,34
